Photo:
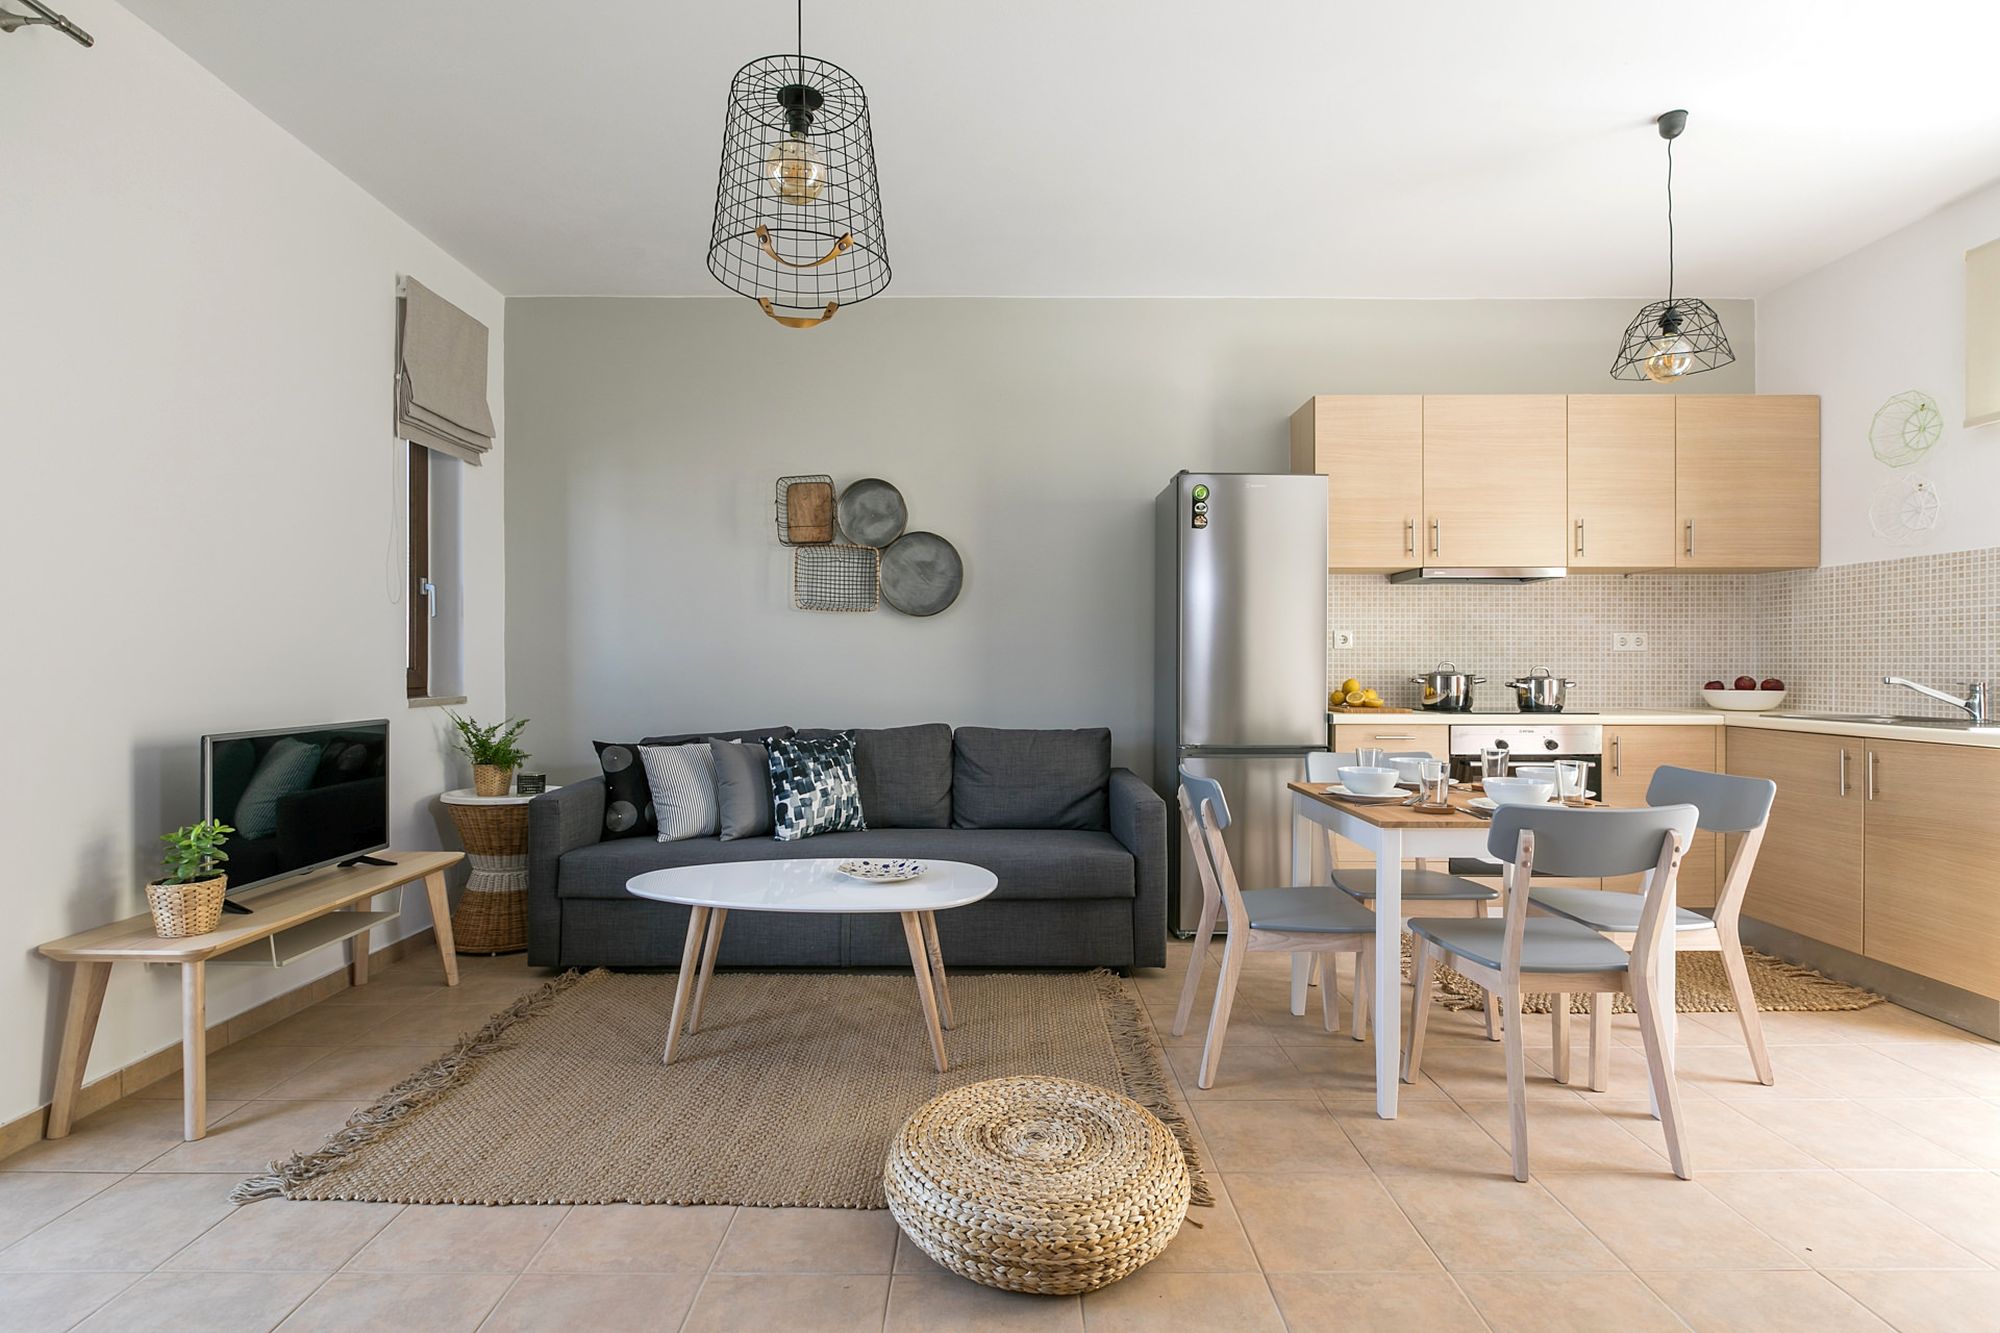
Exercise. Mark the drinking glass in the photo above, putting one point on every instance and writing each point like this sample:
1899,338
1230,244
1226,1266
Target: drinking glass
1493,762
1570,774
1436,782
1368,756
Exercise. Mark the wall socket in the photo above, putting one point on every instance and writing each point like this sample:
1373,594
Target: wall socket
1343,638
1627,642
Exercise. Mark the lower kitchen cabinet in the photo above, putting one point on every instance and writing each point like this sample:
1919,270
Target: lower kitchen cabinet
1631,756
1808,877
1397,738
1931,858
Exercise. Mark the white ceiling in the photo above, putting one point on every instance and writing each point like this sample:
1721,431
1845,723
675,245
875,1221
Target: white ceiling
1387,148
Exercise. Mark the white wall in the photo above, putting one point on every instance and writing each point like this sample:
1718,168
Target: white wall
196,464
1888,318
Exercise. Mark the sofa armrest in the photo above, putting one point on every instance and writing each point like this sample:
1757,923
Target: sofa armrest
1139,822
559,821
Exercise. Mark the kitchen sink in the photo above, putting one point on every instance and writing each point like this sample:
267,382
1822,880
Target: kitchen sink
1891,720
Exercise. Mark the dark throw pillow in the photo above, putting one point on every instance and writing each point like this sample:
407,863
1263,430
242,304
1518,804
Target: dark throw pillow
813,787
743,787
628,797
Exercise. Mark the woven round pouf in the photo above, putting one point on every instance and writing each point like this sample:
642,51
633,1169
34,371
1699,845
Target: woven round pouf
1037,1184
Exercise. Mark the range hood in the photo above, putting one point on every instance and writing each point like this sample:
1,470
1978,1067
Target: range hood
1452,574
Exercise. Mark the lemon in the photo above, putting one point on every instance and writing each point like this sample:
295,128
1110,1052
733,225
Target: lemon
1349,686
1356,698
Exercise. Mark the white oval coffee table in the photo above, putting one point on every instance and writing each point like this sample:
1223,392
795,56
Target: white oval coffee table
712,892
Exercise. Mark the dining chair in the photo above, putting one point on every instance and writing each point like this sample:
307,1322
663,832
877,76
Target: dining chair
1287,920
1728,804
1561,956
1426,892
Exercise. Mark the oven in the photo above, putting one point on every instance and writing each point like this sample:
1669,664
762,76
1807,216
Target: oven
1526,743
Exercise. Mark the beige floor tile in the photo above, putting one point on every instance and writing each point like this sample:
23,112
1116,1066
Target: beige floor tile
1477,1071
1338,1222
211,1302
1831,1222
1374,1302
938,1300
243,1071
1247,1073
765,1302
1893,1023
1243,1030
1725,1072
1719,1136
1928,1302
354,1074
132,1226
1347,1069
1485,1224
1661,1223
29,1199
55,1300
444,1239
1212,1240
326,1025
1569,1136
1762,1303
371,1302
1854,1070
634,1238
601,1302
1150,1301
278,1234
436,1026
1274,1136
808,1240
1962,1206
1629,1078
1969,1126
124,1136
249,1138
1849,1134
1423,1136
1970,1067
1568,1303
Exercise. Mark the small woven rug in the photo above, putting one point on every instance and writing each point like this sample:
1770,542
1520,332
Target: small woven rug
787,1097
1700,985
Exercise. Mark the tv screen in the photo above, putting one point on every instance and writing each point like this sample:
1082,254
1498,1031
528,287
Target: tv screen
298,798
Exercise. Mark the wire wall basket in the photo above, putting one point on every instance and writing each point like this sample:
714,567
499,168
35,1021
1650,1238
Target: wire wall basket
805,509
836,578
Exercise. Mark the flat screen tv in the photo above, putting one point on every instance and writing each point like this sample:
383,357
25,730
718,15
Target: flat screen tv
299,798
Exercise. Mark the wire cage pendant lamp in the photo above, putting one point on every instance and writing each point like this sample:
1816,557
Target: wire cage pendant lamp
1682,335
798,208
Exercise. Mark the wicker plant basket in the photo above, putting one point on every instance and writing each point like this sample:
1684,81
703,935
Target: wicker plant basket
180,910
1037,1184
491,779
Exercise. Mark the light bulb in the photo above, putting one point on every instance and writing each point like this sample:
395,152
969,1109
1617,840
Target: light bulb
1668,357
796,170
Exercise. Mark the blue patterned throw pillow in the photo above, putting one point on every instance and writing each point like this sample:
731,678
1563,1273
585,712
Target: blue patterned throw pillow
813,787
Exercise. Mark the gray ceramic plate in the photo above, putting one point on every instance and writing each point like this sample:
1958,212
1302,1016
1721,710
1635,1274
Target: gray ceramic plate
872,512
921,574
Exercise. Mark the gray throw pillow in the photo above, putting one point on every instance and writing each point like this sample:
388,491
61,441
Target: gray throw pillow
1003,778
743,786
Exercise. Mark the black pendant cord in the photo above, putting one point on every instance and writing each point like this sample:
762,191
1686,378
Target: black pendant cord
1670,221
802,79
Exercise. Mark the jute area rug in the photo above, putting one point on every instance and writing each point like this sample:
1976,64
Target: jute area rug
788,1096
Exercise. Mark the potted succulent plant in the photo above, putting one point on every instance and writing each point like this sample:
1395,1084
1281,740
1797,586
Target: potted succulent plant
187,900
494,750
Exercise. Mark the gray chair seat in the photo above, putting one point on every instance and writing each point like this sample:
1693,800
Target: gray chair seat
1548,945
1612,913
1430,885
1307,911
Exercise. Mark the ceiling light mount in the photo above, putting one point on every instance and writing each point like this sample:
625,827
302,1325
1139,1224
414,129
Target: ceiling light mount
1682,335
1671,124
44,17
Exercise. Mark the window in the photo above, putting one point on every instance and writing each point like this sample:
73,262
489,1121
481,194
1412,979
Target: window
433,666
421,594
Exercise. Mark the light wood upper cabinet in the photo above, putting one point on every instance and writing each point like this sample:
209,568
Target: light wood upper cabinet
1621,481
1932,858
1746,481
1631,756
1494,494
1371,447
1808,877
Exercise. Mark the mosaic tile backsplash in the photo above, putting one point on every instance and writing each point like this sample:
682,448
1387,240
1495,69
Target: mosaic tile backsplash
1829,634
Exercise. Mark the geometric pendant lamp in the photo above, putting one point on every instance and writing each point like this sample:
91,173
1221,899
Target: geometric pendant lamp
1682,335
798,210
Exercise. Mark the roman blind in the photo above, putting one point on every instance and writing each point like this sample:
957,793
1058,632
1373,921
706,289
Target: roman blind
441,375
1982,334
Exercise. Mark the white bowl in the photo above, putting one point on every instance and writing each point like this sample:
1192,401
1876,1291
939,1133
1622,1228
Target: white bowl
1519,791
1407,770
1368,781
1743,701
1539,772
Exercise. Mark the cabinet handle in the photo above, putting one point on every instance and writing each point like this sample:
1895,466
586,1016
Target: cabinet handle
1690,537
1871,775
1409,536
1617,760
1386,736
1843,770
1437,537
1579,536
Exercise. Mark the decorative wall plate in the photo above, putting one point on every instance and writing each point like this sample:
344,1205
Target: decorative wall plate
921,574
872,513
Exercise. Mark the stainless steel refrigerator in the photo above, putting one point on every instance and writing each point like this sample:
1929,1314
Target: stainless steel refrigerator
1240,694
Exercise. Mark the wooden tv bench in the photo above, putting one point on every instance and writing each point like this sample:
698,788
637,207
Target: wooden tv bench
300,910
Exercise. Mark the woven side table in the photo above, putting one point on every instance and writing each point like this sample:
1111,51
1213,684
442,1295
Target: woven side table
492,915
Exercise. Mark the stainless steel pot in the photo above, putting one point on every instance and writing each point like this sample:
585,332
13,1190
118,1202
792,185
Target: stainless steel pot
1540,691
1447,689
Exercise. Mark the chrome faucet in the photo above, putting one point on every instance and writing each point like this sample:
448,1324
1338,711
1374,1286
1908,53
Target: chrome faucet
1974,703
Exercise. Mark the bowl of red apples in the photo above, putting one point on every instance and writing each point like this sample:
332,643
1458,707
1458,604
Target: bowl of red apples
1746,695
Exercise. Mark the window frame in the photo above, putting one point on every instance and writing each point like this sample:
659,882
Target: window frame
421,593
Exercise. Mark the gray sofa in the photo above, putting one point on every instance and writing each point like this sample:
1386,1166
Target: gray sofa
1079,848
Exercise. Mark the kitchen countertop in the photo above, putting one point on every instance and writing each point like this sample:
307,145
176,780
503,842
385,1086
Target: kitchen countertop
1685,717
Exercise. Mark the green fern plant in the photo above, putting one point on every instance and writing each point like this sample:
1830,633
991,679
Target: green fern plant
495,744
194,851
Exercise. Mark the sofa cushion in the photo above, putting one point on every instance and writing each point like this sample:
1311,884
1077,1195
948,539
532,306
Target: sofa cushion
743,788
1020,779
1030,863
905,775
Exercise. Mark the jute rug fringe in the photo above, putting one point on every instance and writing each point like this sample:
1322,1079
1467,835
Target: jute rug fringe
1145,1074
412,1095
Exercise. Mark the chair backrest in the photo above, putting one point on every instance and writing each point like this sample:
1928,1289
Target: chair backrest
1325,765
1201,789
1204,814
1586,843
1728,804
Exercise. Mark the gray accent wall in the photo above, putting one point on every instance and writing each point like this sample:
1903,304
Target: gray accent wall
646,589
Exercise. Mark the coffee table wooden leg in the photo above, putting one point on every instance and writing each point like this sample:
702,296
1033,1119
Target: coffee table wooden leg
440,896
708,948
913,935
936,956
684,983
194,1050
86,1002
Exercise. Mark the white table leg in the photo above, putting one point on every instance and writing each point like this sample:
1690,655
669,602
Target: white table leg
1301,873
1388,969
